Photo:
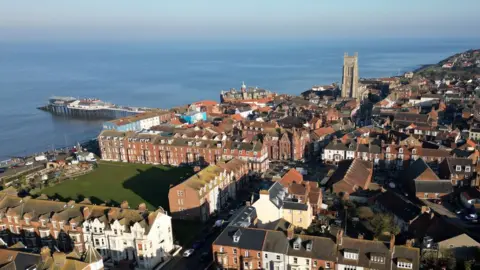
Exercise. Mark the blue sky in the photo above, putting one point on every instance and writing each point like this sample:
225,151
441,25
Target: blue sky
217,19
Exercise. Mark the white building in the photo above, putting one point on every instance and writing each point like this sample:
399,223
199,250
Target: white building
274,251
126,234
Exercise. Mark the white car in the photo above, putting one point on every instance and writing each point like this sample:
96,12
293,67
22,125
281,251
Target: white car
188,253
29,163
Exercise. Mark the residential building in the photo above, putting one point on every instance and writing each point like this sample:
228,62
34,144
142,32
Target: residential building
169,149
274,251
139,236
474,134
20,260
461,171
275,203
239,248
139,121
193,117
351,177
286,144
424,183
208,190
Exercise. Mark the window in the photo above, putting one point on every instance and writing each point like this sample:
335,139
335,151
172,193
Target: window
400,150
414,151
296,246
467,168
246,264
222,250
180,201
327,265
258,255
97,242
180,193
278,257
266,256
235,260
74,226
259,264
234,251
247,253
307,261
425,195
378,259
458,168
405,265
295,260
351,255
314,263
115,231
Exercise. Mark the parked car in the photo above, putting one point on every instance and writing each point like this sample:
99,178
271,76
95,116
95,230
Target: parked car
188,253
29,163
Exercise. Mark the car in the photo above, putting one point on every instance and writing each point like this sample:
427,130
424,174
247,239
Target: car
29,163
471,217
188,253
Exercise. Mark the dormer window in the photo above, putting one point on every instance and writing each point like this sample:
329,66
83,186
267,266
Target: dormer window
400,150
236,236
404,264
414,151
377,258
351,254
297,243
458,168
309,246
27,221
467,168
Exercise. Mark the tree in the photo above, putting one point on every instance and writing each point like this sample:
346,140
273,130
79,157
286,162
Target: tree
384,223
364,212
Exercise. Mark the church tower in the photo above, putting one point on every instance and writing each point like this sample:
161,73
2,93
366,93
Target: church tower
350,76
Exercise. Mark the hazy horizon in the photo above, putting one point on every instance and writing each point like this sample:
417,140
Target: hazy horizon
121,20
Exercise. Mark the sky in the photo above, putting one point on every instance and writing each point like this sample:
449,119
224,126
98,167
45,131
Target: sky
226,19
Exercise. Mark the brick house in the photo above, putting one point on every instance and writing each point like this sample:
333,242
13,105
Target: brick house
208,190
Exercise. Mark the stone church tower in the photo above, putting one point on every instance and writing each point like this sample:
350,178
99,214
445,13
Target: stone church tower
350,76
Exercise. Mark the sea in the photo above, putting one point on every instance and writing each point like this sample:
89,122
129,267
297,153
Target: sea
169,73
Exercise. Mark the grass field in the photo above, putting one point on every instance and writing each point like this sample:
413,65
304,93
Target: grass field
117,182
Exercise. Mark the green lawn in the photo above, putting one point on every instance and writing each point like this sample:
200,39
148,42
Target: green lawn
117,182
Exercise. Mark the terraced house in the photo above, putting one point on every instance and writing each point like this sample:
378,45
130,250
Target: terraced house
208,190
167,149
142,237
242,245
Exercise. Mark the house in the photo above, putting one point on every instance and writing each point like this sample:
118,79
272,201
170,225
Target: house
207,191
351,176
139,236
336,151
139,121
403,211
310,252
274,251
192,117
435,233
239,248
275,203
20,260
459,170
250,247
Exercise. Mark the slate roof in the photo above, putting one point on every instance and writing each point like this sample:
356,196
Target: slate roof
277,194
295,206
419,170
250,238
276,242
365,249
406,253
437,186
322,247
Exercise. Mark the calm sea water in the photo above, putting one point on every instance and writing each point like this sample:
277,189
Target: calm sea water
169,74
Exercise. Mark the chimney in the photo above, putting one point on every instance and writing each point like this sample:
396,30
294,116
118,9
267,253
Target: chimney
392,241
290,232
409,243
340,237
248,203
45,253
142,207
86,212
124,205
